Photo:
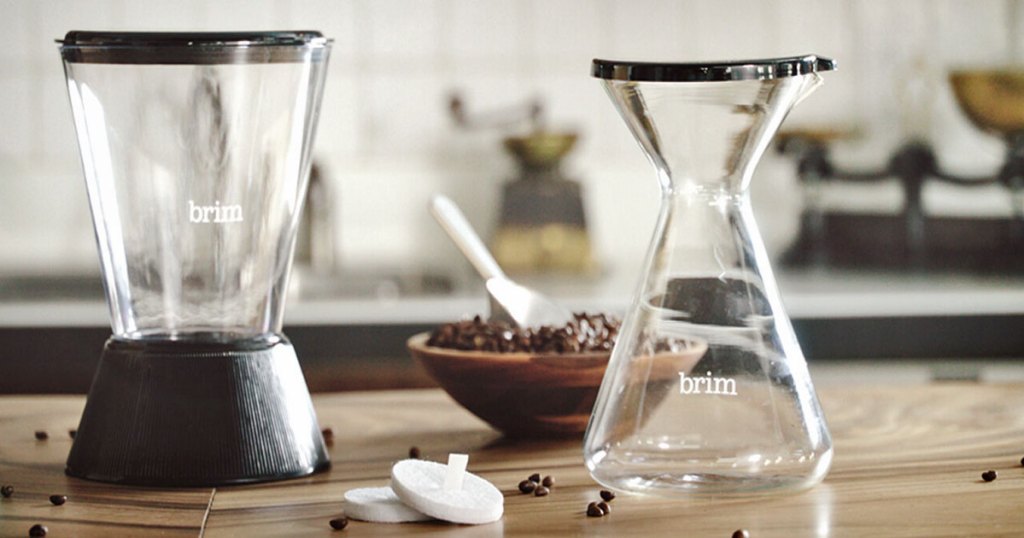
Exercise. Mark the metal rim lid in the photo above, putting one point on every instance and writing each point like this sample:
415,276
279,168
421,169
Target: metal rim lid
762,69
191,47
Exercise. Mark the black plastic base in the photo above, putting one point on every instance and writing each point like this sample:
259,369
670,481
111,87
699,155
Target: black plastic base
184,414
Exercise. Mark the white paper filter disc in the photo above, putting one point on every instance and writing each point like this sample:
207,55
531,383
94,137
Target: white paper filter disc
379,505
420,484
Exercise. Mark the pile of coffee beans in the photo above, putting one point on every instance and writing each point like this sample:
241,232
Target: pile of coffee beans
601,508
536,485
585,332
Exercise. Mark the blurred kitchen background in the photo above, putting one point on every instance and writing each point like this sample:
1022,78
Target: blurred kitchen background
373,268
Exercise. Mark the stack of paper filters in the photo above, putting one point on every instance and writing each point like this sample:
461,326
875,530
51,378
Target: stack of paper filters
423,490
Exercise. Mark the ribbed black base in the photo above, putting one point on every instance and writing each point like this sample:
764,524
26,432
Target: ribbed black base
181,414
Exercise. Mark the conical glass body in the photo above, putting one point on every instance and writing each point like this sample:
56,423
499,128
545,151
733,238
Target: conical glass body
196,153
707,391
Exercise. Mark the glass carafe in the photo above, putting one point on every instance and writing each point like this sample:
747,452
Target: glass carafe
707,391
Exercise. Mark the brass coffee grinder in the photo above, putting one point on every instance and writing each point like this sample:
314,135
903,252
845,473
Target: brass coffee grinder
542,223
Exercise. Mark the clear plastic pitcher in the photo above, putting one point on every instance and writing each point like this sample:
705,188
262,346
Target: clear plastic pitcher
707,391
196,154
195,149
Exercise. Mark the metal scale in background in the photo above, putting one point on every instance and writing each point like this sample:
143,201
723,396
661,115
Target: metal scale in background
542,224
994,101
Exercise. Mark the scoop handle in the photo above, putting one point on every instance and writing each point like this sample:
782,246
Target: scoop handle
450,217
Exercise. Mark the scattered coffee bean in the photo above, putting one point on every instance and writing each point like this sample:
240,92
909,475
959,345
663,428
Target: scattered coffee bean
1022,462
37,530
988,475
607,495
585,332
414,452
535,477
339,523
527,486
604,507
72,433
593,510
327,432
58,500
42,435
548,481
741,533
541,491
7,491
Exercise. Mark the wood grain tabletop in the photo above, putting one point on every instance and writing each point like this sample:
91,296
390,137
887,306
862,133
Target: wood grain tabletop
908,462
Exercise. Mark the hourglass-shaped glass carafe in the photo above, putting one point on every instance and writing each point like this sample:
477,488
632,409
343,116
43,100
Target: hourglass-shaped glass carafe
740,414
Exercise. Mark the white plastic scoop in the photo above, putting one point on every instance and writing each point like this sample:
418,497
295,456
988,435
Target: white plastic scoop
510,302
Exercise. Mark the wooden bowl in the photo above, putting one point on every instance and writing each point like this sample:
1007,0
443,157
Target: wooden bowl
525,394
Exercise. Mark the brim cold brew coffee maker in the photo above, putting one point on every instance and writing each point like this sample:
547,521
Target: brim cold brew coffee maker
743,418
196,153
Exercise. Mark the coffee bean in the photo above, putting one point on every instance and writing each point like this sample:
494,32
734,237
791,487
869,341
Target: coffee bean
58,500
593,510
548,481
584,333
1022,461
72,433
7,491
988,475
541,491
327,432
741,533
607,495
535,477
38,530
42,435
604,507
527,486
339,523
414,452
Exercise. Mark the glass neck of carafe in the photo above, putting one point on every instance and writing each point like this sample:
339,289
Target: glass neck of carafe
705,138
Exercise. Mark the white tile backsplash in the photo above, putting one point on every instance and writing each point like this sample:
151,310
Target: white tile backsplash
492,30
387,143
18,124
651,30
567,30
16,26
980,37
401,29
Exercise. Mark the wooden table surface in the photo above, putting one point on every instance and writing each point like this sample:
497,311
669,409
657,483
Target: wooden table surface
908,463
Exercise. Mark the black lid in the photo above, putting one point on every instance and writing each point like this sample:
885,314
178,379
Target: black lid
711,71
190,47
